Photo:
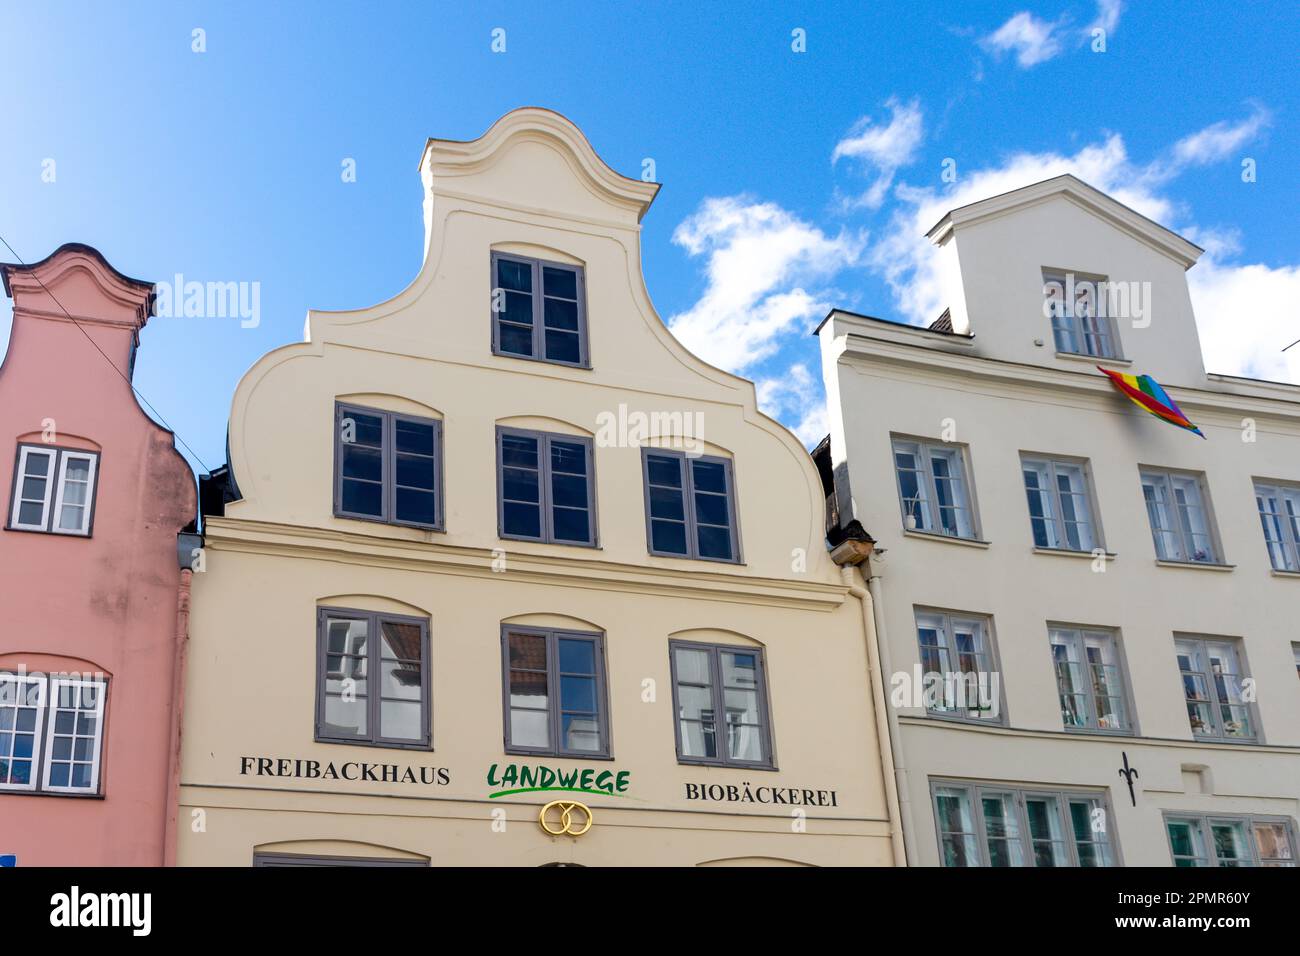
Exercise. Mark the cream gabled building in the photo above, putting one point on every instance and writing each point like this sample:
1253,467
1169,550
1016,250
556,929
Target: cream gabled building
449,577
1099,578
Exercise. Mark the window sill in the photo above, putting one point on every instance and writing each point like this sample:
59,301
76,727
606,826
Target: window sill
1278,573
586,366
49,793
552,755
1199,565
1094,359
53,534
376,745
968,721
688,762
950,539
1071,553
1226,741
1101,732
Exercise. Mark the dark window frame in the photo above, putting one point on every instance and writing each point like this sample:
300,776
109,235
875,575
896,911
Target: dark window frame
539,311
374,678
763,692
554,696
388,473
544,475
688,501
52,508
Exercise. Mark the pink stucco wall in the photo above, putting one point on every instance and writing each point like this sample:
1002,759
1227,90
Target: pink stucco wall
110,603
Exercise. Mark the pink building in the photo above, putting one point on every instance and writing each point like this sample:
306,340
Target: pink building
94,597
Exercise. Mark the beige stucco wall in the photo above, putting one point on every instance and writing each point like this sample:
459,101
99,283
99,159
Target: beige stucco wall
531,185
887,381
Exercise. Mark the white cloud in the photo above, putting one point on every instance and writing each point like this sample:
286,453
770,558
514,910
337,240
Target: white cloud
796,397
1108,12
1244,319
1032,40
1219,141
761,261
883,149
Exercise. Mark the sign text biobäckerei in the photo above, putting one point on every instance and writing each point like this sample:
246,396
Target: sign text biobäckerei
782,796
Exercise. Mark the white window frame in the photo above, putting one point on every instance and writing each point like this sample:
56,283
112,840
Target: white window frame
948,623
56,523
20,473
1066,319
1201,644
1053,517
1181,529
44,732
1283,551
927,501
17,682
56,683
1078,638
1203,822
55,488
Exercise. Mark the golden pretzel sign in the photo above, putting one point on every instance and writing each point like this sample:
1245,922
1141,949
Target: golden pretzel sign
574,818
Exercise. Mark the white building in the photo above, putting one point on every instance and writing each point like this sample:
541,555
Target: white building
1102,579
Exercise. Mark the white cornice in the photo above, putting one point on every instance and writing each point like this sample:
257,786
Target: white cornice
303,542
456,158
1077,191
862,344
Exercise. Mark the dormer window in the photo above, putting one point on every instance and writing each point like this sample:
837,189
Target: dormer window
54,490
1077,306
539,310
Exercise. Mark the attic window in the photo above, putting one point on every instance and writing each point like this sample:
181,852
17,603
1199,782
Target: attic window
539,310
1078,307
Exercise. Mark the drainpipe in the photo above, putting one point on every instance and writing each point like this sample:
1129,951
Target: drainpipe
179,660
900,822
900,769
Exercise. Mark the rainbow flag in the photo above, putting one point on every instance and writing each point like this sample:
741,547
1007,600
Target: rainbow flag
1145,391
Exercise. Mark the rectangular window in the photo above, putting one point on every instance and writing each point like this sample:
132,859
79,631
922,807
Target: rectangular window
1213,687
51,733
958,663
54,490
690,506
546,487
1060,504
1078,309
1230,841
933,488
1179,516
388,467
554,692
1089,679
720,684
539,310
1279,513
373,679
993,825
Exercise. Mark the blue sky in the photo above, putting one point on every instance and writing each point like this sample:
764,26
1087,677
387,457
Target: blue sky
792,180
